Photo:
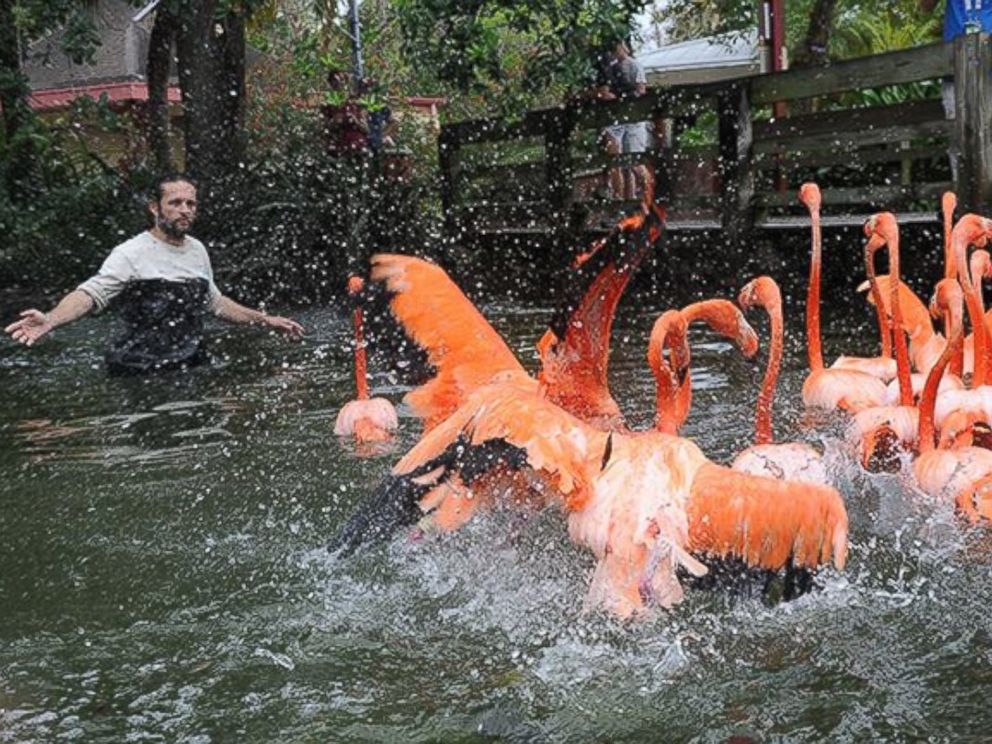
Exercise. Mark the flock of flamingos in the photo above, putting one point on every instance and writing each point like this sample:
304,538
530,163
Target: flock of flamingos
650,504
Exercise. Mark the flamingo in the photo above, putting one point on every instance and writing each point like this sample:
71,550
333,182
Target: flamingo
575,350
639,501
847,389
367,419
925,344
963,474
880,431
466,352
793,461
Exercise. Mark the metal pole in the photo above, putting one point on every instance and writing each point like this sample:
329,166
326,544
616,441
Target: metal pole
355,30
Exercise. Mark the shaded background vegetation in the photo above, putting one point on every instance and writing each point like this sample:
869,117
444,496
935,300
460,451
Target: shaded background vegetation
284,221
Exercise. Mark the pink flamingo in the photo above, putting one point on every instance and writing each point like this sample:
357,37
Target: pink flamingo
963,474
793,461
367,419
847,389
881,431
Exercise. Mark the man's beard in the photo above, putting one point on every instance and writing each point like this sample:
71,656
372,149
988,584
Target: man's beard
172,228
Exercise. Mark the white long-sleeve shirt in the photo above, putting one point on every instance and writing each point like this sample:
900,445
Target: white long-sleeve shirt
146,257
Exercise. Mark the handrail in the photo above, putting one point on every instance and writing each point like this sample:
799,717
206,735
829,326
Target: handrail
890,136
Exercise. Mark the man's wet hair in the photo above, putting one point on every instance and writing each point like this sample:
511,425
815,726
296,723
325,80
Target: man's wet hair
158,188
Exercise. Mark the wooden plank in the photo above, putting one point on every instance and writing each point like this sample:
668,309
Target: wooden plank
472,131
972,136
892,68
736,171
602,161
558,163
880,196
850,141
529,171
796,222
766,161
850,120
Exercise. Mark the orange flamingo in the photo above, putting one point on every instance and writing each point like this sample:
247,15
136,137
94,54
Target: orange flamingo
963,474
925,344
880,432
367,419
466,352
640,502
847,389
576,348
793,461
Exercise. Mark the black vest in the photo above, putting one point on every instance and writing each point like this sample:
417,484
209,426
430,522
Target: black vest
163,326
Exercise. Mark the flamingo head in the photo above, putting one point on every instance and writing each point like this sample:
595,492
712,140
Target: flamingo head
355,284
809,194
948,203
670,331
974,228
947,295
880,229
761,291
981,264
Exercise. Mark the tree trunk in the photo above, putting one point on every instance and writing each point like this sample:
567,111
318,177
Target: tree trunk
16,149
813,52
211,51
157,71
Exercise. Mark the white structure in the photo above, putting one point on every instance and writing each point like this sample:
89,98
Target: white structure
718,57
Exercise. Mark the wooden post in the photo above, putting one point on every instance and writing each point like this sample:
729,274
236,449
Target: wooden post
447,152
735,168
972,134
558,163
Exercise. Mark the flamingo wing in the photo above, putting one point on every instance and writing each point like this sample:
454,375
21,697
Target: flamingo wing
461,345
575,350
914,310
766,522
503,426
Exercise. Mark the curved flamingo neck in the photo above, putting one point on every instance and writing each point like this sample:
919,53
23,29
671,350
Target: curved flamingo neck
668,331
763,418
876,295
361,384
928,400
968,230
814,346
898,332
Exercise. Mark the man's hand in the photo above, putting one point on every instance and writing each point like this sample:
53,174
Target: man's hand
32,326
284,325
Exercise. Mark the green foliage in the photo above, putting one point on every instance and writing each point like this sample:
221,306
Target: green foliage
516,53
35,18
80,206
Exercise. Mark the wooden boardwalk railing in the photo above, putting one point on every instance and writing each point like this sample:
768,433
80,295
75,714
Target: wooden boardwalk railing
728,163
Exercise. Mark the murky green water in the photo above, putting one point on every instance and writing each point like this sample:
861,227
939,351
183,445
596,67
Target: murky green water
163,577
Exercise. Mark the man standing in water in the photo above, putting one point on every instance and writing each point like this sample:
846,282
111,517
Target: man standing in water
166,286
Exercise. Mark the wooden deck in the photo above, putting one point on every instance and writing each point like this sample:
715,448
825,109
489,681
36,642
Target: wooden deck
726,164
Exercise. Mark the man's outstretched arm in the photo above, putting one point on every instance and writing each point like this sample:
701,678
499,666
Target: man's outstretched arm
229,310
34,324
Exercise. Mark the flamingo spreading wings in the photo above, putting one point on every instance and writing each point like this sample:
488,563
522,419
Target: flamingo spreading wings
793,461
467,352
639,502
844,388
367,419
